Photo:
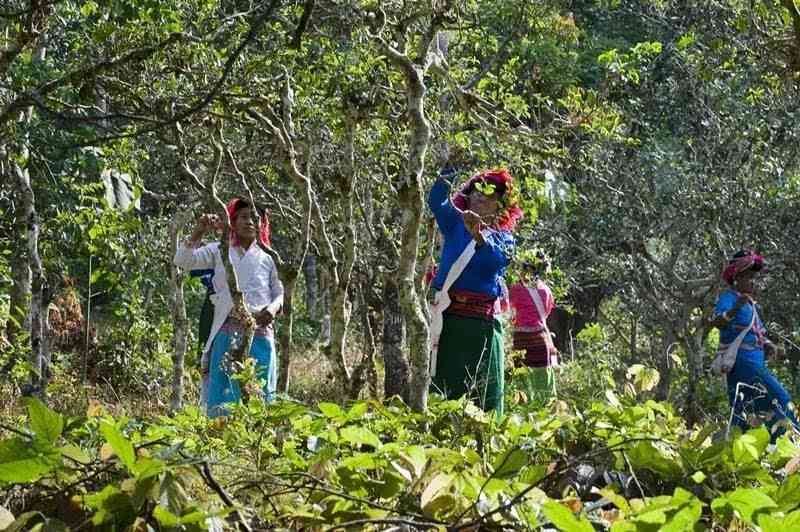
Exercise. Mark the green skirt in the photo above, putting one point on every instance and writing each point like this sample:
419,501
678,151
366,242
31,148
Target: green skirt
470,362
540,385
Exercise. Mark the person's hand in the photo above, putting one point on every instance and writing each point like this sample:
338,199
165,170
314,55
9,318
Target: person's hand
472,221
775,352
264,318
741,301
206,223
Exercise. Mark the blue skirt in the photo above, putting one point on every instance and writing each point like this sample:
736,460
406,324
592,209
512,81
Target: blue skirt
221,388
751,370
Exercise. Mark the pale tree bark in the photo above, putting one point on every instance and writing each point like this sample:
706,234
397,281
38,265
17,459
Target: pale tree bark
412,205
21,278
179,320
324,306
38,361
396,370
282,131
341,308
285,338
30,261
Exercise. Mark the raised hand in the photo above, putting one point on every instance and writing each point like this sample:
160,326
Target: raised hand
206,223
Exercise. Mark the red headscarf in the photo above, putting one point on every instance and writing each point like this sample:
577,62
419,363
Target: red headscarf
263,228
740,262
509,214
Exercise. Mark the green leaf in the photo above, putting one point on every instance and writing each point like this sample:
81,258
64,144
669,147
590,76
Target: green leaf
357,411
45,423
698,477
564,519
510,463
616,499
689,512
359,436
746,502
123,448
416,458
75,453
435,489
166,518
750,446
330,410
21,462
788,495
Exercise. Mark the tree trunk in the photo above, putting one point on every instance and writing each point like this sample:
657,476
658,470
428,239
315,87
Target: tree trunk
22,279
39,368
365,372
396,370
285,340
412,205
693,343
180,322
661,353
324,307
341,308
312,285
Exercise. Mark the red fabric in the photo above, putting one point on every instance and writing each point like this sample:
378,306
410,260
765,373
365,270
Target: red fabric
263,228
430,275
525,312
466,304
740,264
511,215
538,351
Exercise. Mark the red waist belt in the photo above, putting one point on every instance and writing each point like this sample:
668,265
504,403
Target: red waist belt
466,304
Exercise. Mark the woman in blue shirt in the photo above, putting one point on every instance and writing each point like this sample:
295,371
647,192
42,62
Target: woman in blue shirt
735,311
468,353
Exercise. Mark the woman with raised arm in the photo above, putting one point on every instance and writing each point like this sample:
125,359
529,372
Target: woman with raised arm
263,296
744,345
467,338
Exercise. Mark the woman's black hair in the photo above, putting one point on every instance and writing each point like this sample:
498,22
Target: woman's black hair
244,204
756,267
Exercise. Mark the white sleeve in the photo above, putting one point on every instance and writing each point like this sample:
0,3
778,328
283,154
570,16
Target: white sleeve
276,288
189,257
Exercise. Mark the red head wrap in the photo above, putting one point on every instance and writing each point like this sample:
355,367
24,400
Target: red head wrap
263,228
509,214
740,262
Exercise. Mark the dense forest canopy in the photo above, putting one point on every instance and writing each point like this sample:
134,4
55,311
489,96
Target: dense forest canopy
649,140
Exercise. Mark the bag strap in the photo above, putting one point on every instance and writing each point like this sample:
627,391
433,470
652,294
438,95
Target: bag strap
537,300
740,337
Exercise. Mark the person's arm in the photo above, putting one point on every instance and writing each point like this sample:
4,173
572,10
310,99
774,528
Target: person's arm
497,249
190,255
268,313
727,307
447,216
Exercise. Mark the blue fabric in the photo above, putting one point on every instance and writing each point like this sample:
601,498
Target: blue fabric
750,369
221,388
484,271
205,278
727,334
